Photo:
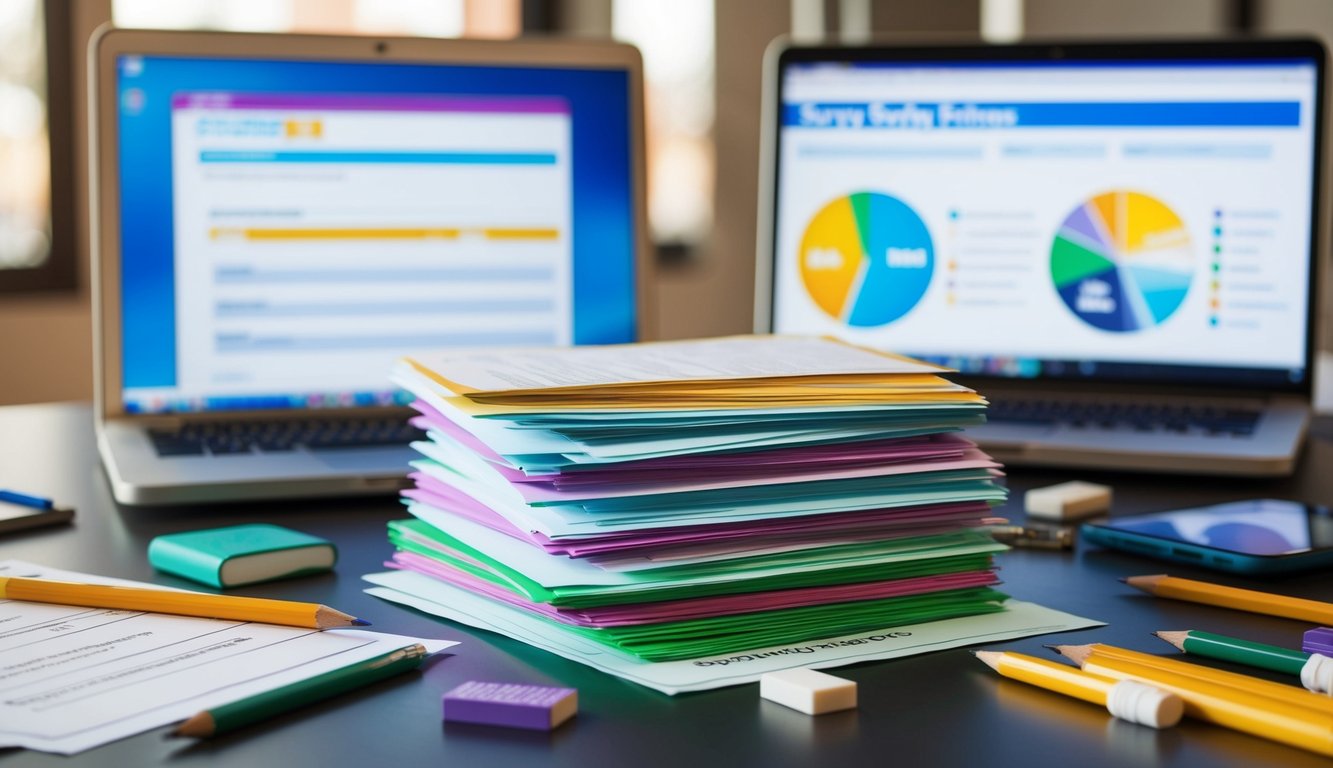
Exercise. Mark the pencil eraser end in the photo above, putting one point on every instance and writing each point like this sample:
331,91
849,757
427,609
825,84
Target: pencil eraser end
515,705
808,691
1317,674
1143,704
1067,501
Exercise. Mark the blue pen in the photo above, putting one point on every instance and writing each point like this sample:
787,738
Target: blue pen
24,500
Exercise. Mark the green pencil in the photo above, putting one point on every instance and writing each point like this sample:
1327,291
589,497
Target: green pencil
1239,651
272,703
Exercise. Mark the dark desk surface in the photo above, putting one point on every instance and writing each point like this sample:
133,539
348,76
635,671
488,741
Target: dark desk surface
941,708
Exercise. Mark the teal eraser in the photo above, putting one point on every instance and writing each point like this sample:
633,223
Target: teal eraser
241,554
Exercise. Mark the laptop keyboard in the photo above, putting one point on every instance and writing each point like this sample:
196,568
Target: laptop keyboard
280,436
1141,417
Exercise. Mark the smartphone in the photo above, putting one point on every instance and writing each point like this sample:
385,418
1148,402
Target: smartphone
1261,536
18,517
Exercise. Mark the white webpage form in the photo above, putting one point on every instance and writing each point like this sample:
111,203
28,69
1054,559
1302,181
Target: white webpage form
318,238
1141,214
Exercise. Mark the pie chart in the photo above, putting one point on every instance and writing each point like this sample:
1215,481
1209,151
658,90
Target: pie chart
866,259
1122,261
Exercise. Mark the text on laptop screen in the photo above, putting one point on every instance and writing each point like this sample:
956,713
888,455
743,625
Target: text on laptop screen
289,229
1139,220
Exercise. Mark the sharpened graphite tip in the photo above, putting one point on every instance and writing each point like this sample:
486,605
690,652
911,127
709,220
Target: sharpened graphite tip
360,623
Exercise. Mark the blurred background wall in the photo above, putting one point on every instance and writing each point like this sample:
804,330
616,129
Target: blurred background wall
703,61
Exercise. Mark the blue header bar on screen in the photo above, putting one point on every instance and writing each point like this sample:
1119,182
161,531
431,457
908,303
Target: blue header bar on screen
972,115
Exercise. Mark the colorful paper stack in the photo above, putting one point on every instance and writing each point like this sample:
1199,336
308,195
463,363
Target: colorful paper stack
677,500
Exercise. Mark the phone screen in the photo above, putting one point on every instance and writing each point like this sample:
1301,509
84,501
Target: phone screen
1259,527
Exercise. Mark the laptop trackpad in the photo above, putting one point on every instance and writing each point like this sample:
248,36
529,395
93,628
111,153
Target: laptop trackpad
384,459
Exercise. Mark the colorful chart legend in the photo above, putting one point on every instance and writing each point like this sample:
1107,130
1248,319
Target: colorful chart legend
1122,261
866,259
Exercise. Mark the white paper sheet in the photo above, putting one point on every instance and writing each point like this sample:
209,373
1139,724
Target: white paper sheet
74,678
672,677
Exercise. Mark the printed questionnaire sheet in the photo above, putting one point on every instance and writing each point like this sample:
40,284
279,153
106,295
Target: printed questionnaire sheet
73,678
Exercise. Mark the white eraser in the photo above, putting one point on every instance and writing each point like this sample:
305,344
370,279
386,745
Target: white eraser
808,691
1317,674
1143,704
1067,500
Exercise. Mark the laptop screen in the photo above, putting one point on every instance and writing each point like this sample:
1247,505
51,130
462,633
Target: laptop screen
290,228
1108,218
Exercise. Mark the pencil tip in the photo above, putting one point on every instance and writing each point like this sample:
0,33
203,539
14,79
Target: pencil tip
989,658
360,623
1123,580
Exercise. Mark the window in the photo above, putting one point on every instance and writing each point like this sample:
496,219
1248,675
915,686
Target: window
676,38
423,18
37,235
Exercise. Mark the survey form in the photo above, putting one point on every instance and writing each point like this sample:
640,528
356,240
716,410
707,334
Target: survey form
1018,619
732,358
73,678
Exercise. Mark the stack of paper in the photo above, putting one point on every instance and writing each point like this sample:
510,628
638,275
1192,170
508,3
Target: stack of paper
679,500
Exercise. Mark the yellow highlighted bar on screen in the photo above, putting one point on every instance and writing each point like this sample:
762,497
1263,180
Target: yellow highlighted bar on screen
520,234
383,233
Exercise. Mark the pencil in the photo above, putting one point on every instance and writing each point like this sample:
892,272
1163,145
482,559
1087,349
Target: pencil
1234,649
1228,707
200,604
1123,698
1290,694
1315,671
1235,598
275,702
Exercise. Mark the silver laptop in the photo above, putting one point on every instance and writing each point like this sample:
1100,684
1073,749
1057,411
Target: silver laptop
279,218
1116,243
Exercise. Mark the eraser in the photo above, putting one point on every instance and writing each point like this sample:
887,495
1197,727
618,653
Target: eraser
516,705
1144,704
1067,501
1318,640
1317,674
808,691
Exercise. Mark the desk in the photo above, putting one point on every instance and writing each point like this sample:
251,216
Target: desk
938,709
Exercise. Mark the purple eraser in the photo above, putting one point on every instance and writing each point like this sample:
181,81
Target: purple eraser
539,707
1318,640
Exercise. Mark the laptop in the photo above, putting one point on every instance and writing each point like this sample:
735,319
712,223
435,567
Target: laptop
278,218
1118,244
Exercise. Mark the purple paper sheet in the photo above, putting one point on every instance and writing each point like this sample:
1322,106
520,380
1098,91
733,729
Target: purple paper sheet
758,465
770,462
700,607
718,538
431,418
686,482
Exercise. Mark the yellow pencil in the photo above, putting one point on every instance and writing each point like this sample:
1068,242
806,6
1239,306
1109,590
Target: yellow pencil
1228,707
1235,598
1259,687
1122,698
180,603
